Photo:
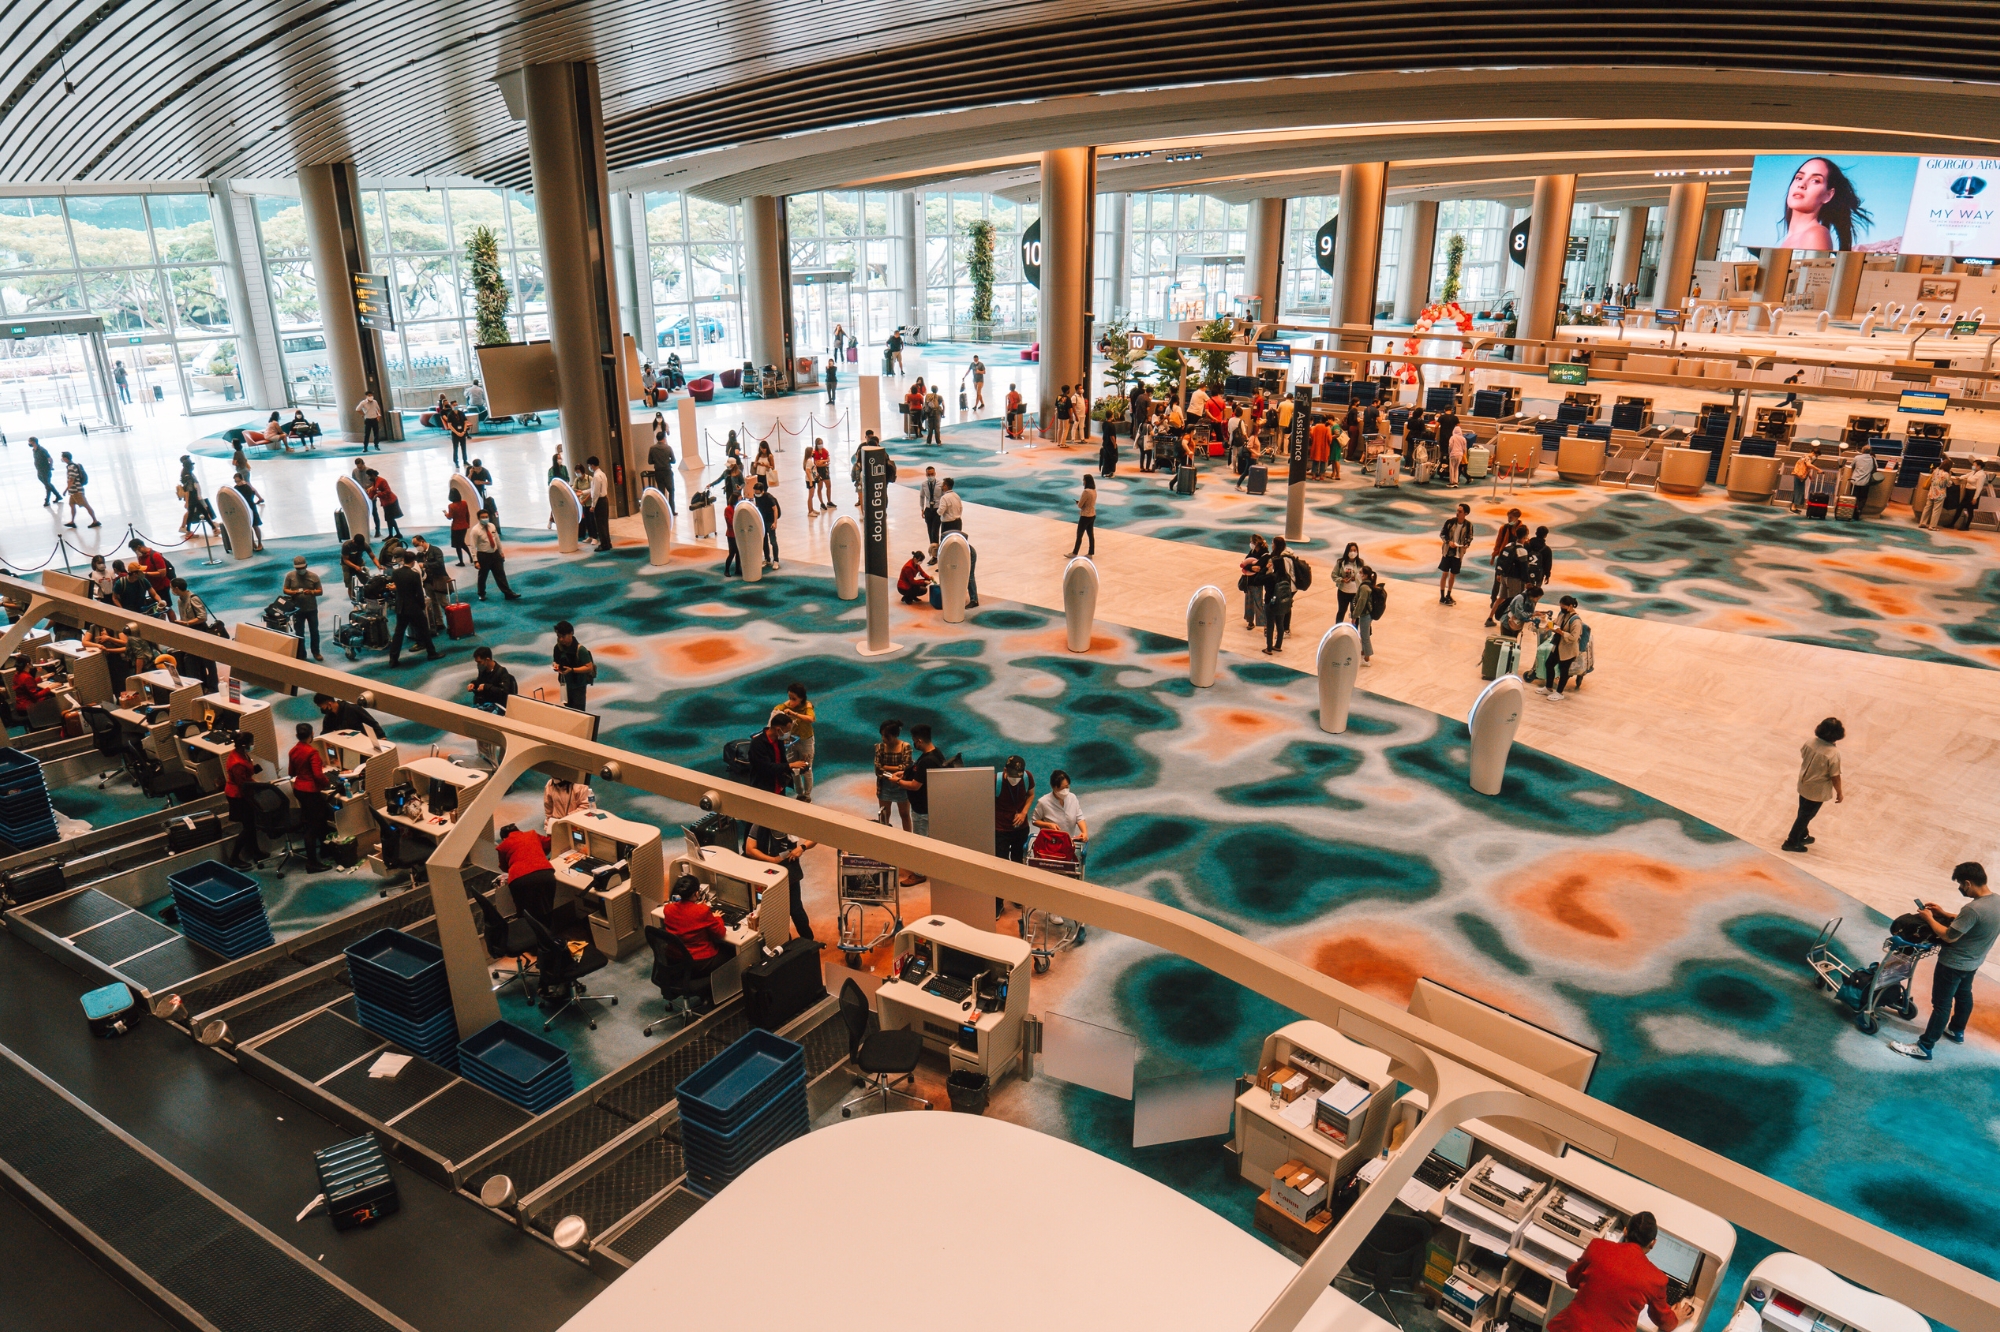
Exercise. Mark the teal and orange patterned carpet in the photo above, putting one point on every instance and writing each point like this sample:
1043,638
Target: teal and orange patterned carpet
1884,585
1671,947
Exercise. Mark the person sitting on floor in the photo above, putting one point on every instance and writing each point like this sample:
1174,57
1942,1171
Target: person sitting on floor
913,584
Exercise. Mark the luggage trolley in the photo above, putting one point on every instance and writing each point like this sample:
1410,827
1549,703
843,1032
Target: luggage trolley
866,883
1882,986
1047,933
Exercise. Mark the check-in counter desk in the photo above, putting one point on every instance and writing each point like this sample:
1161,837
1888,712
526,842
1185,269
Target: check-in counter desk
1683,471
220,718
88,671
1580,460
754,897
935,958
362,767
1753,480
1312,1062
1787,1293
582,845
1519,451
1514,1218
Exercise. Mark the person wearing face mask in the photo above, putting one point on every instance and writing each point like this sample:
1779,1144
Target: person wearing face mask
1012,800
1347,579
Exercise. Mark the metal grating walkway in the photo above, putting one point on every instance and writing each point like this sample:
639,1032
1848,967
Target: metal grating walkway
666,1215
107,1192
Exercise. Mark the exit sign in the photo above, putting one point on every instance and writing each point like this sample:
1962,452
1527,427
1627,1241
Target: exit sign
17,330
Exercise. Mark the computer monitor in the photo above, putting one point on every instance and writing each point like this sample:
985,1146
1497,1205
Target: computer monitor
959,965
579,840
1455,1147
733,891
603,848
1680,1260
443,798
226,719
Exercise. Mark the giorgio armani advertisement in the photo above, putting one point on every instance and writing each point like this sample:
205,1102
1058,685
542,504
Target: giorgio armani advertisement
1955,207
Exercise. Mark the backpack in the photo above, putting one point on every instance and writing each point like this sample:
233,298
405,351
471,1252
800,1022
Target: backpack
1302,574
1583,636
1378,601
1052,844
1513,562
82,475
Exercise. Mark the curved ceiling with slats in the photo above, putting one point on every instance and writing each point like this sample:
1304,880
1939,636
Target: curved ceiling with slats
122,90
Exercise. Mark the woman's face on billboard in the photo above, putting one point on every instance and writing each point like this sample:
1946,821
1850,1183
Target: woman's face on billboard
1811,188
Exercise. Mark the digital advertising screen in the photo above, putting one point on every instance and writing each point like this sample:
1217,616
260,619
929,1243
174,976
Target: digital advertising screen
1805,201
1274,353
1955,207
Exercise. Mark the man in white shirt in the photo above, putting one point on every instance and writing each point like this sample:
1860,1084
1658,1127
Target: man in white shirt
1861,477
927,500
1197,403
600,505
371,422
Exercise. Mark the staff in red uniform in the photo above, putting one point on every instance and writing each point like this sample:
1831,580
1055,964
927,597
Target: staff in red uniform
1614,1280
698,926
239,775
306,766
530,877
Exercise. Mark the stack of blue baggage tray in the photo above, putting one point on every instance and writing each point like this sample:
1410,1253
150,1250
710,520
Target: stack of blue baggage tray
740,1107
27,819
517,1065
400,992
220,908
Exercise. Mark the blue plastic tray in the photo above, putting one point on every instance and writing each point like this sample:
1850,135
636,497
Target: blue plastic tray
789,1102
512,1053
395,956
211,884
737,1083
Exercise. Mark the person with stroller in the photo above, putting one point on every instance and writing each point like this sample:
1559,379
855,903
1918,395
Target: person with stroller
1967,937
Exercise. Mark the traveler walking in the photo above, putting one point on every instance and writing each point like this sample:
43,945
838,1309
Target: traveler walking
488,555
1346,580
75,479
45,467
928,495
1456,538
574,666
412,615
371,422
1251,573
1566,627
459,516
799,708
1968,938
302,593
661,459
976,372
1279,588
1086,517
1819,780
767,505
1371,598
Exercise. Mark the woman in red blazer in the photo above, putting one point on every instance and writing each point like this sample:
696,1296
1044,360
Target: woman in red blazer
1613,1281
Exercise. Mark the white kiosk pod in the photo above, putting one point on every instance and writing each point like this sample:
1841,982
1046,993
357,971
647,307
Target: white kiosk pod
1463,1080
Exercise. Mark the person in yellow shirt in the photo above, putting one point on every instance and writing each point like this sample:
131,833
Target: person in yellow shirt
1801,472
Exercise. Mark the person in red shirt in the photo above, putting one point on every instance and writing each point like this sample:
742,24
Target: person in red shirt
385,499
698,926
913,583
158,571
306,766
239,776
28,690
530,876
460,518
1614,1280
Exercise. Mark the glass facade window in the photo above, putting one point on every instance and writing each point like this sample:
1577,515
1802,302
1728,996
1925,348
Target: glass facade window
947,280
417,237
1306,289
1730,244
147,265
1184,260
1487,275
694,252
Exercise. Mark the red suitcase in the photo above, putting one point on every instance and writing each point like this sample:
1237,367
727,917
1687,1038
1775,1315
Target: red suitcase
458,620
1215,448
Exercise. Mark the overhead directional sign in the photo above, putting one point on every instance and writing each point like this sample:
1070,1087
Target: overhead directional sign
371,301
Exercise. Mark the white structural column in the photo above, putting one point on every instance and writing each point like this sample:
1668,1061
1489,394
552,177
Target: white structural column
767,282
1771,282
1629,244
330,198
1678,239
243,279
1065,303
1846,282
909,258
1548,245
1711,232
1264,256
1117,264
1416,259
635,285
573,210
1357,248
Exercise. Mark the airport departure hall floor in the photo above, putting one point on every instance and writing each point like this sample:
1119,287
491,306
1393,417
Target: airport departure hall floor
1672,947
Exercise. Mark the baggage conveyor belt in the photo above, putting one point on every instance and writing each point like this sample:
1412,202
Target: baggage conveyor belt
185,1251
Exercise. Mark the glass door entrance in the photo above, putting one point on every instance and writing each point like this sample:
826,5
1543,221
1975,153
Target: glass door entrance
49,387
820,301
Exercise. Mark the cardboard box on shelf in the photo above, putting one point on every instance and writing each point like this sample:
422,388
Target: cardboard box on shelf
1301,1190
1301,1237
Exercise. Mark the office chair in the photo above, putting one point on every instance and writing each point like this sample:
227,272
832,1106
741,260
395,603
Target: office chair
1393,1253
506,938
400,852
104,737
274,817
155,780
560,973
884,1057
675,972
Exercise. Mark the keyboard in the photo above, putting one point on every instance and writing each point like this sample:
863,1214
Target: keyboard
1676,1290
1439,1173
945,987
586,866
731,913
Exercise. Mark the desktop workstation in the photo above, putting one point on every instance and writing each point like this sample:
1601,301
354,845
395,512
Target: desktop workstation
363,768
615,866
753,898
85,667
964,989
1509,1219
220,718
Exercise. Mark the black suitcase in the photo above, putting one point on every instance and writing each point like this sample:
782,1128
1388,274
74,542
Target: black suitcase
340,525
1260,480
1184,481
189,831
354,1176
33,883
778,989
